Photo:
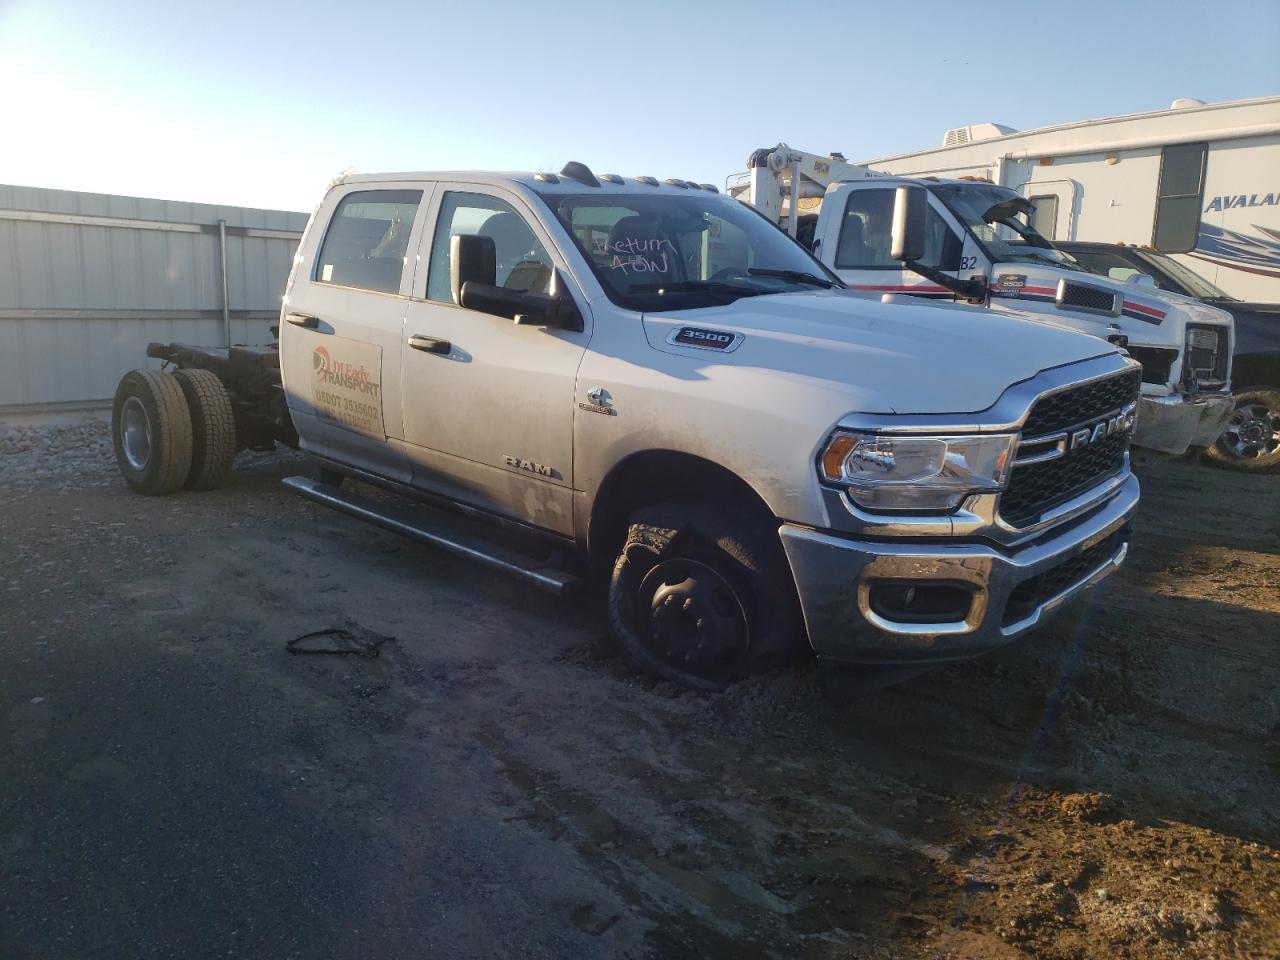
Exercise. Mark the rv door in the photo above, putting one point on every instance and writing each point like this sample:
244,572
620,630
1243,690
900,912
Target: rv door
1053,204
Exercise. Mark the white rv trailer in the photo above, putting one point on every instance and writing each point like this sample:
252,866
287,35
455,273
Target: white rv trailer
1198,180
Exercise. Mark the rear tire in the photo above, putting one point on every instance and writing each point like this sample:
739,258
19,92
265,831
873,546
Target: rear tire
1251,440
703,596
151,432
213,426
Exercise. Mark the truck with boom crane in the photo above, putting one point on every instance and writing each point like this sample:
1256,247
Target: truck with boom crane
980,248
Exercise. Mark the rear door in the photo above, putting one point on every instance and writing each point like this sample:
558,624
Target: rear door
340,335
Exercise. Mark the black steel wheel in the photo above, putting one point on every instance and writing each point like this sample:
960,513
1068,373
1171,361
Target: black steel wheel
703,597
1251,440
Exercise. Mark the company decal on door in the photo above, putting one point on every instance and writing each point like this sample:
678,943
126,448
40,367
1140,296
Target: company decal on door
346,386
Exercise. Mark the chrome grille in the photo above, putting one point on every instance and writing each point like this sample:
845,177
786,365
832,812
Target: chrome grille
1035,488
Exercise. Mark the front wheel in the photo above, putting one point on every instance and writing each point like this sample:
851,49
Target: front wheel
703,597
1251,439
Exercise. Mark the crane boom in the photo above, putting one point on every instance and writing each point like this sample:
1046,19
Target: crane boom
780,179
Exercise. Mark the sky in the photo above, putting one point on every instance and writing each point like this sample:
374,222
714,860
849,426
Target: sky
262,103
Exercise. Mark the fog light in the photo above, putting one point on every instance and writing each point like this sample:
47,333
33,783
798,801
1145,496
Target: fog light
921,602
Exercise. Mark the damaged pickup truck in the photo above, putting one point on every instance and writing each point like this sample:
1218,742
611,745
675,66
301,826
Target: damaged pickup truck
567,375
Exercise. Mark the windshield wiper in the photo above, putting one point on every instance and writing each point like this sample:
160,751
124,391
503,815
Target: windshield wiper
795,276
699,286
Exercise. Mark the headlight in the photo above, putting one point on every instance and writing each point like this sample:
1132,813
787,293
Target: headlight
904,472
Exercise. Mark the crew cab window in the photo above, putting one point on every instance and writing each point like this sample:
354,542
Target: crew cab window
1180,194
522,261
365,244
866,231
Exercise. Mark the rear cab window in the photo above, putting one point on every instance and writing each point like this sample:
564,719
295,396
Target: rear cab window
365,243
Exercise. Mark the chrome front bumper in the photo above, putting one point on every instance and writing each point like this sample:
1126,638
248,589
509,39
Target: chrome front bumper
835,577
1175,424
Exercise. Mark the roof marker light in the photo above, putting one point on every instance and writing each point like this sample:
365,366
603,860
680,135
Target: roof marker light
611,178
546,177
651,181
573,170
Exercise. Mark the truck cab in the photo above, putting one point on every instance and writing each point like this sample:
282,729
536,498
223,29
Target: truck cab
981,248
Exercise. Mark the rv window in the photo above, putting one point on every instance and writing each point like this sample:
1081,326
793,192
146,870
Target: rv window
1044,216
865,230
1180,193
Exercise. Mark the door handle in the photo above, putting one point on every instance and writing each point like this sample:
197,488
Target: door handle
303,320
430,344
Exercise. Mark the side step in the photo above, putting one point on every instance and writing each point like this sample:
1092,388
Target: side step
464,544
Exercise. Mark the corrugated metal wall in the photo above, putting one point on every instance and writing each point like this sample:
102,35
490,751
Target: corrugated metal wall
87,280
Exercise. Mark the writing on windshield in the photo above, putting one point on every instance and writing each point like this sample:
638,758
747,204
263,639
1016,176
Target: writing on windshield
679,251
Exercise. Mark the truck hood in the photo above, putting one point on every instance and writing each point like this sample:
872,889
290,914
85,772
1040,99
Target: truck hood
1039,282
895,358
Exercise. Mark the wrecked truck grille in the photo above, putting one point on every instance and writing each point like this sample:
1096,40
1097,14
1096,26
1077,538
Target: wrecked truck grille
1036,488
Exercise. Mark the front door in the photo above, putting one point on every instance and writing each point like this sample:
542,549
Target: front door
854,234
488,414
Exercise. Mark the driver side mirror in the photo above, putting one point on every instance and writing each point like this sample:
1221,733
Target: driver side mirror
910,208
473,284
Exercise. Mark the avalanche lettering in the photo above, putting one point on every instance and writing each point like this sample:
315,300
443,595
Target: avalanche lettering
1230,202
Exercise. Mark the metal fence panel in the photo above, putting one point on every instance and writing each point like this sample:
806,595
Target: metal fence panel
88,280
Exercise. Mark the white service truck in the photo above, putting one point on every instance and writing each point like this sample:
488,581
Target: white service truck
649,380
980,249
1198,181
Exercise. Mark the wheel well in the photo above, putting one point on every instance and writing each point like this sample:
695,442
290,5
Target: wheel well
1255,370
660,476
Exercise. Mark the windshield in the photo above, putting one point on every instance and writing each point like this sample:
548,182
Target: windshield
679,251
996,216
1191,281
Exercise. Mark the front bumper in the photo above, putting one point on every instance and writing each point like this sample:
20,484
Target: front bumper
836,576
1175,424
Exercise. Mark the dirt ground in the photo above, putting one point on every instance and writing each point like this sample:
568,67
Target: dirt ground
498,782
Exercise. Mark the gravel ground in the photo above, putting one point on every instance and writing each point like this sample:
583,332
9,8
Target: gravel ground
498,782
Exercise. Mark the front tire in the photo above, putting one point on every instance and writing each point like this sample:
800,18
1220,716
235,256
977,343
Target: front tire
1251,439
151,432
702,596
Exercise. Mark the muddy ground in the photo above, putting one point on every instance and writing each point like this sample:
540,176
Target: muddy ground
499,783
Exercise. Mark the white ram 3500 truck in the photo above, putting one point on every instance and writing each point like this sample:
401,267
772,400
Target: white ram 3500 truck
982,249
687,402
